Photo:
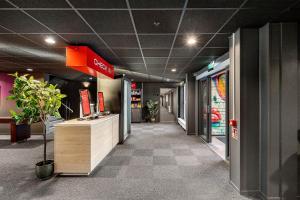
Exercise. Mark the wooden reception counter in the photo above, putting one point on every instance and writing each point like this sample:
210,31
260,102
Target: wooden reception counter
79,146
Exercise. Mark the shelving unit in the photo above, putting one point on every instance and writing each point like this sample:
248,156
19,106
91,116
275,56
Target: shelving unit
136,104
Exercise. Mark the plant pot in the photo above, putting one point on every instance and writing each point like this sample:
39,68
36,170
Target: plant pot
44,170
152,120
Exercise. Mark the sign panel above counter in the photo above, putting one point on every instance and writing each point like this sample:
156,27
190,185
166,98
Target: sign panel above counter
83,59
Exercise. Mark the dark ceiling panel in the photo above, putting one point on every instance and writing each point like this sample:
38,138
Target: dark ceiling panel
127,41
90,40
128,52
214,3
13,40
132,60
61,21
109,21
156,41
156,4
250,18
19,22
184,52
179,61
155,66
204,21
181,40
220,40
99,3
155,60
41,4
156,52
269,4
213,51
4,4
144,20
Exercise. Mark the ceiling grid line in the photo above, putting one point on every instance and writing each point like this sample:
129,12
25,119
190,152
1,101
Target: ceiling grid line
85,21
207,43
175,37
26,13
136,34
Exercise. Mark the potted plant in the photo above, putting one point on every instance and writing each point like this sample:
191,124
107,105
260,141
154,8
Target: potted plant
152,109
36,101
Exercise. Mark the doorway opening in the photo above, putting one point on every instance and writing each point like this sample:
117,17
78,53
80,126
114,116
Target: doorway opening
213,112
168,105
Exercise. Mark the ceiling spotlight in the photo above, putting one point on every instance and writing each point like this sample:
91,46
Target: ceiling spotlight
156,23
29,69
191,41
173,70
91,78
50,40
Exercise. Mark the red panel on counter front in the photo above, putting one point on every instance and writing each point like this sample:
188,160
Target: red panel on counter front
83,59
101,101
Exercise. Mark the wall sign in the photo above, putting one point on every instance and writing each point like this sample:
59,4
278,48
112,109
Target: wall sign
83,59
85,102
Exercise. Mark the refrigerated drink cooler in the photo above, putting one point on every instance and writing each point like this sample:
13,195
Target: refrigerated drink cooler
117,99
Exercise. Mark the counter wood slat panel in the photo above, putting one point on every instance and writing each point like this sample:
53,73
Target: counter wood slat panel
79,146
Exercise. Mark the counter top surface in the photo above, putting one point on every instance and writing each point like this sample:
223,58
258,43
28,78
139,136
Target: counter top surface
75,122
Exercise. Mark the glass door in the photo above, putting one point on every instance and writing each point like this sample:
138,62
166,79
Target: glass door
204,109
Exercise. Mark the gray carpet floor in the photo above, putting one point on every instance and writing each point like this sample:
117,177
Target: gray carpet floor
158,161
165,116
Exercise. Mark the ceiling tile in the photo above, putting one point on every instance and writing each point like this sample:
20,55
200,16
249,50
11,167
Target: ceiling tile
128,52
178,61
90,40
132,60
268,4
99,4
156,41
155,60
144,20
250,18
220,40
4,4
41,4
61,21
156,66
13,40
204,21
127,41
181,40
19,22
184,52
214,3
40,39
156,4
109,21
213,51
156,52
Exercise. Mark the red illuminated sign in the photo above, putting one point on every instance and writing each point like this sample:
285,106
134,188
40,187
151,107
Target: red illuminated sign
83,59
100,102
85,102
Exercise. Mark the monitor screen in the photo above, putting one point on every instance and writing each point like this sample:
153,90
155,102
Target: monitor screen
100,102
85,102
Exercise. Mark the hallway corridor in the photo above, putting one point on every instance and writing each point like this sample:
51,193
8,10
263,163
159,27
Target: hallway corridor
165,116
157,162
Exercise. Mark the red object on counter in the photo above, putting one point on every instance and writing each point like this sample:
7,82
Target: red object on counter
85,102
233,123
101,101
83,59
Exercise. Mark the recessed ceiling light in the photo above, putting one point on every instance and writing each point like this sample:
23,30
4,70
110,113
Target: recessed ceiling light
173,70
50,40
191,41
91,78
29,69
